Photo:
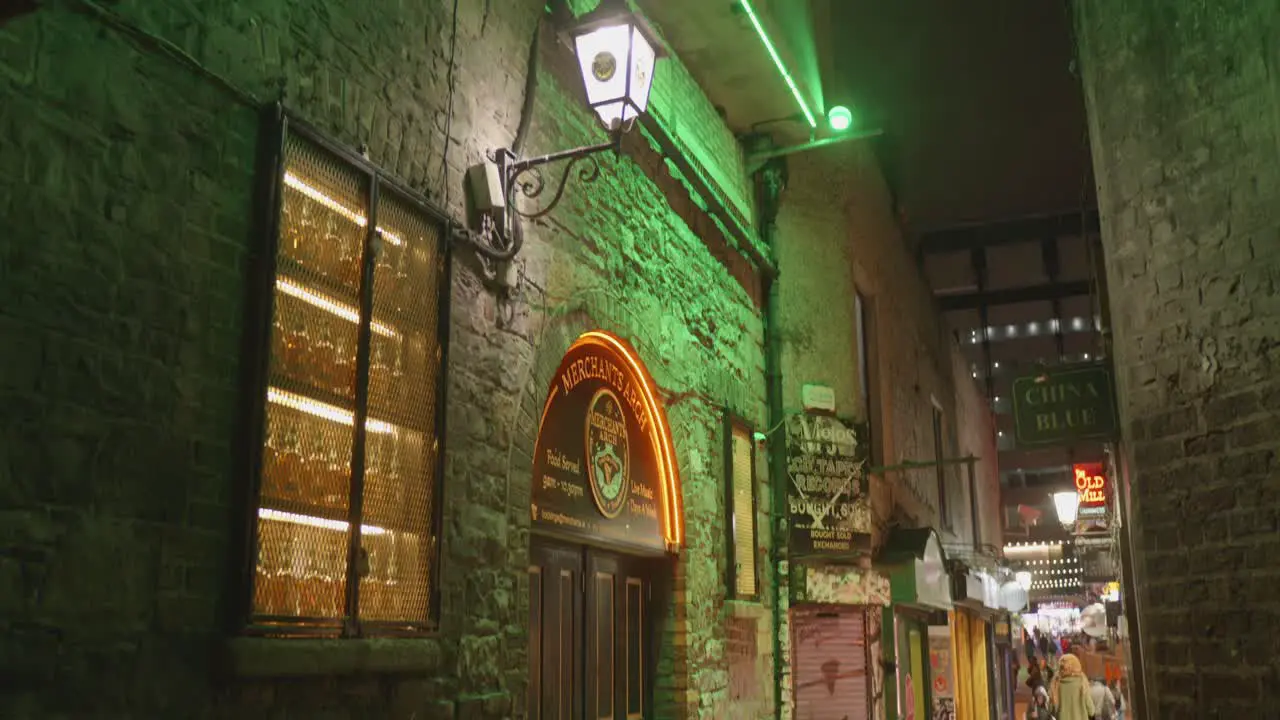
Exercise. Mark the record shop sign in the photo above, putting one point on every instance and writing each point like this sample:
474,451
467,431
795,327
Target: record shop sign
598,465
828,508
1062,405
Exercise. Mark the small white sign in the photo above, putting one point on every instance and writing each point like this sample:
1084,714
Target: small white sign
818,397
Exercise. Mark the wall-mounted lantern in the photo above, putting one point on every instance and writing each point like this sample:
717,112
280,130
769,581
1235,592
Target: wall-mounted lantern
1067,505
617,51
1024,579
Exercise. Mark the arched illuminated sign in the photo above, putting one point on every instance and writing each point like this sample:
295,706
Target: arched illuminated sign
603,468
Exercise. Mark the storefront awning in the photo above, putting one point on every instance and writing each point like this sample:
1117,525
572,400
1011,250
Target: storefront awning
917,568
976,590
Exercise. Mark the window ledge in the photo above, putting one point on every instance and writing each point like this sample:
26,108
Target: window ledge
287,657
747,608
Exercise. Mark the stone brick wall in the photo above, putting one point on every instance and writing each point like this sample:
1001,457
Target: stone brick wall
1185,126
976,436
836,235
126,181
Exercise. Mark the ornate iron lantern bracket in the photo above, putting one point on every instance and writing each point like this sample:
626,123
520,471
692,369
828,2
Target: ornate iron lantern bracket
527,177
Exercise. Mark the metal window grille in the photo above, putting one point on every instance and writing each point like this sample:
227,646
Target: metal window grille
351,424
741,504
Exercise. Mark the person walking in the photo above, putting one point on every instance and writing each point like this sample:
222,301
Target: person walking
1051,647
1070,693
1039,707
1115,690
1104,702
1034,678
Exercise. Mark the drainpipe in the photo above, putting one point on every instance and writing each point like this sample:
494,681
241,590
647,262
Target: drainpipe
770,182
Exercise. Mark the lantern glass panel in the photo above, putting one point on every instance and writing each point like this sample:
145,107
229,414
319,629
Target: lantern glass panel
608,58
642,62
1066,504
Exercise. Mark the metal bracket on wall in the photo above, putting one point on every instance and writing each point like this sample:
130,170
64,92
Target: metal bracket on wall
495,231
756,161
512,169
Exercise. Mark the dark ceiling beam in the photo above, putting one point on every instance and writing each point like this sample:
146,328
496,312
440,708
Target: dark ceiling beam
968,237
1012,296
1032,496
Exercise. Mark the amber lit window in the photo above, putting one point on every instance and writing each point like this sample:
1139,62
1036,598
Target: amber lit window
351,419
740,492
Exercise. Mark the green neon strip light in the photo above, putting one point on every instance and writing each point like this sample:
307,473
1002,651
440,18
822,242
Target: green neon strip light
777,60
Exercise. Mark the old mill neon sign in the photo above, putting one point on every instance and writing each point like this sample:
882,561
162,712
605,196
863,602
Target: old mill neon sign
1091,485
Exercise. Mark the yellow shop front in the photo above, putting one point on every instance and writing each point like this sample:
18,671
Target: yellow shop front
975,597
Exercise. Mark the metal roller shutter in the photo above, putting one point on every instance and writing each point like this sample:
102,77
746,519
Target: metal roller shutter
829,662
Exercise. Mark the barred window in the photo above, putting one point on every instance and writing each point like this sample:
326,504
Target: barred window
351,383
740,496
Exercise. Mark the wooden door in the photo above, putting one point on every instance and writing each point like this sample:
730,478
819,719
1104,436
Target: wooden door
555,633
619,644
591,647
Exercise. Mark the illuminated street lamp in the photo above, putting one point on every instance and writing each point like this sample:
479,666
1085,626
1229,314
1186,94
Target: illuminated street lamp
617,51
1024,579
1066,503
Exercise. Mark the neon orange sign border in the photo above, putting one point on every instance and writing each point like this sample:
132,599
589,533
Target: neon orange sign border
659,434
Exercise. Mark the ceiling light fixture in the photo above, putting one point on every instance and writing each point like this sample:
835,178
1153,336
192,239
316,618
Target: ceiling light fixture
840,118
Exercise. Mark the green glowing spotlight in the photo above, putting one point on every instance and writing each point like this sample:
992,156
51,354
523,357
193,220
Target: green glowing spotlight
840,118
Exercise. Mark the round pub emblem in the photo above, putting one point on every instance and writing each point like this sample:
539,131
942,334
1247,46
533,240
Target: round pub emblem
607,453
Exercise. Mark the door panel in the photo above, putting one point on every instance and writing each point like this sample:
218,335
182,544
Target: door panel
590,652
555,633
533,702
618,636
635,676
906,707
922,681
601,637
